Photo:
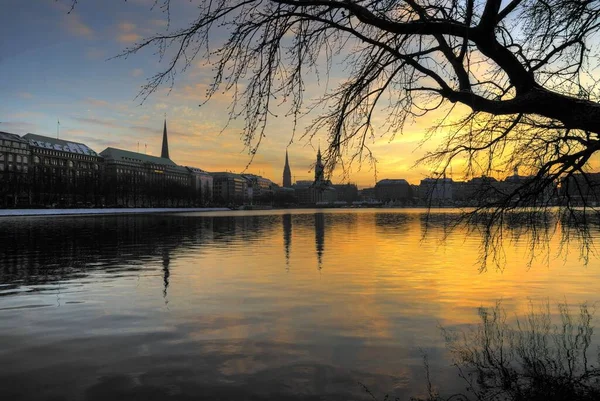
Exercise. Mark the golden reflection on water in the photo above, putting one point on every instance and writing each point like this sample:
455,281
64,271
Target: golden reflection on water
281,291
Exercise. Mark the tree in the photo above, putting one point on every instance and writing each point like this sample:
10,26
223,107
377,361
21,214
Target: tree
514,81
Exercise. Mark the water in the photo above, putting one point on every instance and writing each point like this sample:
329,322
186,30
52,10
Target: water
252,305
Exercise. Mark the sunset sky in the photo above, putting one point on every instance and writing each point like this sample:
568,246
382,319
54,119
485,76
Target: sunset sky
56,65
59,66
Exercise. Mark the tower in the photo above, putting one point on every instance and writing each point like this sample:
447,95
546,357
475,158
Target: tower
287,173
319,169
165,143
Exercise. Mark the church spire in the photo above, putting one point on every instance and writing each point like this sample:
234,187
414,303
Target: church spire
287,173
165,143
319,168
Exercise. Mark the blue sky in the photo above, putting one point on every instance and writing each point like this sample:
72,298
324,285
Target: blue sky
56,65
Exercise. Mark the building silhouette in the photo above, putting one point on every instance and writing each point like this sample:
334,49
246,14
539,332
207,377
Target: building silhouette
287,173
165,143
41,171
319,170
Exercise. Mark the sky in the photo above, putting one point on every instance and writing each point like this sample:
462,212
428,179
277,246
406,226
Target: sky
60,66
56,66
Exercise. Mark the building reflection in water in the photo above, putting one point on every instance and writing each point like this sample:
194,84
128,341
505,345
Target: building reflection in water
287,237
166,260
320,237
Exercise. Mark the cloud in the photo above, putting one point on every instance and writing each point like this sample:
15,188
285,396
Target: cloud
95,142
96,121
25,95
97,102
126,32
128,37
159,22
76,26
157,131
18,127
137,72
126,27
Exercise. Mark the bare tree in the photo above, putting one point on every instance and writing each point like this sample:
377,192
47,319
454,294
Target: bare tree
515,82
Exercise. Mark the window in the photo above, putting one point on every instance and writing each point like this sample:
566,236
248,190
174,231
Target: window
23,146
11,167
10,157
70,163
19,159
1,166
25,169
36,159
1,157
18,167
25,160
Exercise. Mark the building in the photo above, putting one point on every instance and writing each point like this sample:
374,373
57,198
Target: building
139,180
367,194
436,190
41,171
202,186
259,189
15,156
64,173
229,188
164,153
393,190
319,191
346,192
287,173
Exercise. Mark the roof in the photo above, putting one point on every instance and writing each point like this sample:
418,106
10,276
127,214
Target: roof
11,137
437,180
40,141
221,174
197,170
126,156
390,181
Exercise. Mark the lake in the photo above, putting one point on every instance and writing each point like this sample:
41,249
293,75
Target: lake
290,304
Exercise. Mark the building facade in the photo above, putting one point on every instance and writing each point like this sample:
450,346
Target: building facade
229,188
260,190
139,180
202,186
64,173
393,190
15,156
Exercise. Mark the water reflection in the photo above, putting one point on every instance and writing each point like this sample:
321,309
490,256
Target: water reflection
287,236
166,258
172,305
320,237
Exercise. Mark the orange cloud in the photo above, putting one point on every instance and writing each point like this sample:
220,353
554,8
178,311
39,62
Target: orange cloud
128,37
76,26
137,72
127,32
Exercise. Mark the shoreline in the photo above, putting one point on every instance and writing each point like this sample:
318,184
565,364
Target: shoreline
104,211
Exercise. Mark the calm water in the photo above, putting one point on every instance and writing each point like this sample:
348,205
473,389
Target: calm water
251,305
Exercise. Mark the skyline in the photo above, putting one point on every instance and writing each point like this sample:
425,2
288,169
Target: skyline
60,68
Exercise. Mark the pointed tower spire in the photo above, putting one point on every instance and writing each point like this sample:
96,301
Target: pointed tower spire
319,168
287,173
165,143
